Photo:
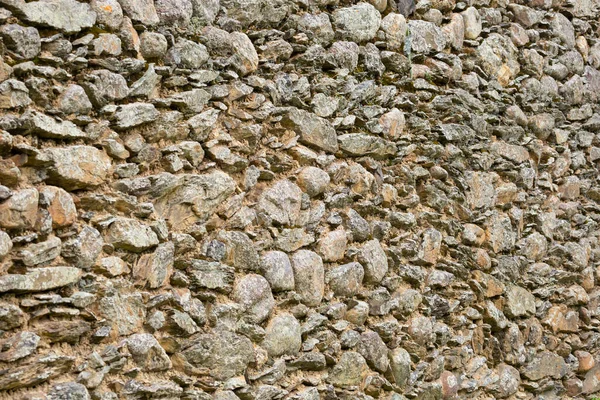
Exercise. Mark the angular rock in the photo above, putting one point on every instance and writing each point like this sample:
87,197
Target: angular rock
148,353
103,87
69,391
222,354
346,280
281,202
19,346
358,144
60,205
131,235
68,16
37,371
23,42
13,94
193,198
425,37
20,210
211,275
374,350
239,250
154,270
134,114
48,127
125,312
142,11
313,130
519,302
74,100
77,167
349,371
373,258
545,364
39,279
83,249
40,253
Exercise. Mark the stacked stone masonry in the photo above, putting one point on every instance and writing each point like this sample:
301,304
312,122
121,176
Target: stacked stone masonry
299,199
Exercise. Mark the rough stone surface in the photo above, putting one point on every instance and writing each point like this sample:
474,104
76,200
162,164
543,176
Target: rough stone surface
291,199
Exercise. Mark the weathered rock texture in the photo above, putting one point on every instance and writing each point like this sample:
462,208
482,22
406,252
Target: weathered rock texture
299,199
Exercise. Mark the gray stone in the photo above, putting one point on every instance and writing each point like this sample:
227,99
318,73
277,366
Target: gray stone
239,250
19,346
400,365
358,23
245,58
41,253
472,22
374,260
153,45
103,87
545,364
425,37
254,294
223,354
77,167
68,16
11,316
20,210
174,13
130,234
188,54
349,371
456,132
125,312
359,144
346,280
13,94
48,127
39,279
374,350
148,353
519,302
83,249
317,27
6,245
68,391
498,57
154,270
281,202
313,130
108,13
211,275
395,27
134,114
277,270
74,100
23,42
142,11
193,198
429,251
309,277
283,336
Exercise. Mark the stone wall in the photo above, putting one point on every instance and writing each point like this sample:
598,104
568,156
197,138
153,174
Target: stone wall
299,199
